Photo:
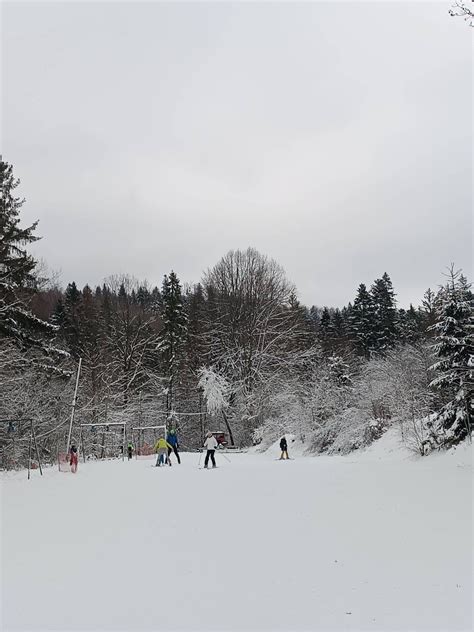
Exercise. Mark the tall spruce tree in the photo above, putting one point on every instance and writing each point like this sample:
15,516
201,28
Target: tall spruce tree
325,330
385,314
362,319
409,325
455,366
428,312
71,327
17,278
195,345
174,331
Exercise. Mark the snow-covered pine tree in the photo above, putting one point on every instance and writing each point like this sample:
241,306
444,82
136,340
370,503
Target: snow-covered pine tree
362,318
409,325
17,280
302,323
455,366
174,332
385,313
155,300
428,312
72,321
143,296
338,329
339,371
195,345
324,329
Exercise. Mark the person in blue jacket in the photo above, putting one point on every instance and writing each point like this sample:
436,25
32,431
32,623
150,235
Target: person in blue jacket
172,439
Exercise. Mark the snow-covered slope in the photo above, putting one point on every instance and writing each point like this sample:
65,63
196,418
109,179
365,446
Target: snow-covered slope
347,543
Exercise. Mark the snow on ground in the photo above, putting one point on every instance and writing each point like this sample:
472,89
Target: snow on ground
347,543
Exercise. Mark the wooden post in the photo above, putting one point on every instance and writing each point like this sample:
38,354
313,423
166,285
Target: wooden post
36,447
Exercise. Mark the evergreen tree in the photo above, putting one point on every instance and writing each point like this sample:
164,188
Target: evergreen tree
428,311
362,321
59,315
314,317
455,366
17,276
195,329
71,324
385,314
339,371
409,325
338,328
155,300
324,329
174,330
122,293
300,324
143,297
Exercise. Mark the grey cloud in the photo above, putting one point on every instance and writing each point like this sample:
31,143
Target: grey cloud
334,137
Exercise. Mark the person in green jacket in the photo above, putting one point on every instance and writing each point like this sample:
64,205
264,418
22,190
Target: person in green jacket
161,449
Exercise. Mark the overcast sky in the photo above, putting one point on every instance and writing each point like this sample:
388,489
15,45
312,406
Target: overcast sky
335,138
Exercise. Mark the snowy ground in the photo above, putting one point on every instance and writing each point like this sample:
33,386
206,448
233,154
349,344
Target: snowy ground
377,541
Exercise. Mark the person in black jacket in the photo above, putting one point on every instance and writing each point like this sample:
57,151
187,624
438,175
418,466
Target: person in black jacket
284,449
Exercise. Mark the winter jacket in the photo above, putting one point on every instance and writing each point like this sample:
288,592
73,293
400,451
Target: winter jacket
162,444
172,439
283,445
210,443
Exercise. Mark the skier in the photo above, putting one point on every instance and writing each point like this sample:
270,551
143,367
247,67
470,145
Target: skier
210,444
129,450
161,448
284,449
172,439
73,459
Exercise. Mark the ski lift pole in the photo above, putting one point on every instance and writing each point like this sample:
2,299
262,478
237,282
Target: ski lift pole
124,439
36,448
140,434
68,446
82,448
29,455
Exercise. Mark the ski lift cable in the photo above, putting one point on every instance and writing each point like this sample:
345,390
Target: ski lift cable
110,423
45,434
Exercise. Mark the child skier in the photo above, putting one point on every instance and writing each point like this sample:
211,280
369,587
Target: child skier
172,439
73,459
129,450
210,444
284,449
161,449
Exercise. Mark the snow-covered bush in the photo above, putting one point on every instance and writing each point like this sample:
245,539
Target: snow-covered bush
216,389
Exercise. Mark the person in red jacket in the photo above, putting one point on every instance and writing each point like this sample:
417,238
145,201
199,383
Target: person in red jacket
73,460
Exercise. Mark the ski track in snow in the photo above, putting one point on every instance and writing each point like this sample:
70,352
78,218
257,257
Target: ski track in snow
347,543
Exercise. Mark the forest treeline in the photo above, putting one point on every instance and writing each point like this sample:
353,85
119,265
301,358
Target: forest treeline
236,350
